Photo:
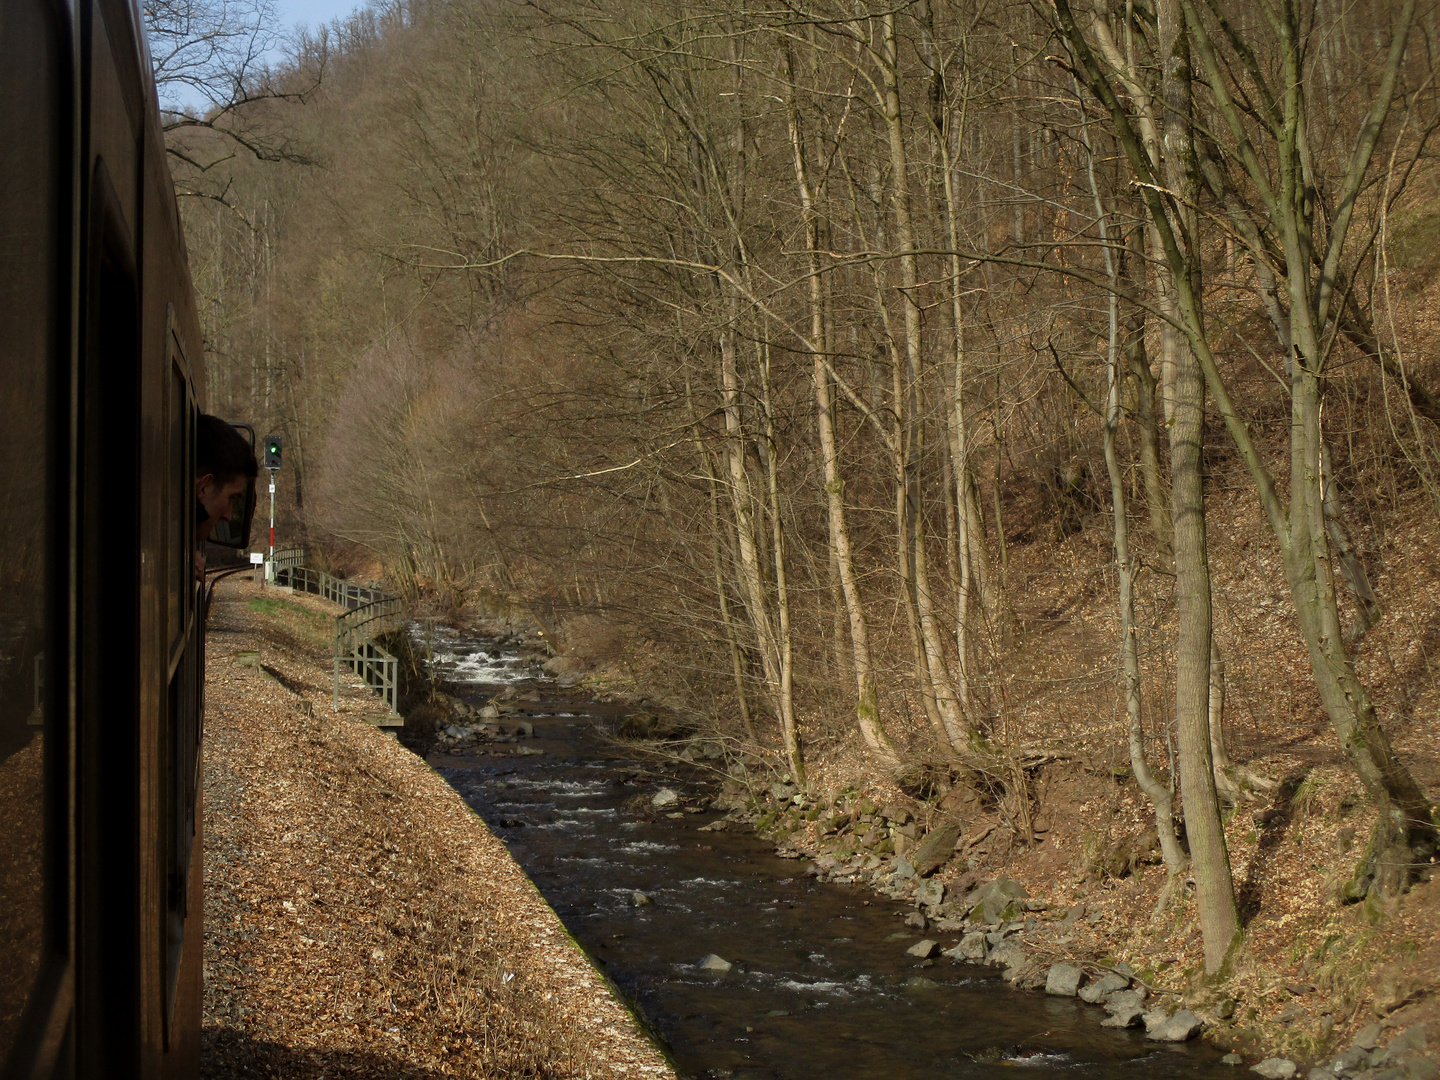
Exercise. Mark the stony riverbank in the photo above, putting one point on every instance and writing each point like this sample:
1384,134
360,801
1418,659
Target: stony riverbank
361,921
1079,925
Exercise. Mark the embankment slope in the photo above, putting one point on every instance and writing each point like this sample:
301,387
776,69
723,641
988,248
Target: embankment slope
360,919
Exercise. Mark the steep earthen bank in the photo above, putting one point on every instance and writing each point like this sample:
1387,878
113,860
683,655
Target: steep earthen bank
360,920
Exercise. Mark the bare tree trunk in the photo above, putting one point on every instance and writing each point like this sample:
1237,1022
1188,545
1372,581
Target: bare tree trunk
1406,833
952,722
1219,921
1151,471
717,547
789,728
1234,782
867,705
1160,796
896,435
1215,899
973,554
743,505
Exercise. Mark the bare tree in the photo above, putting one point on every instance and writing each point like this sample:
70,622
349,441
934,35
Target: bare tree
215,65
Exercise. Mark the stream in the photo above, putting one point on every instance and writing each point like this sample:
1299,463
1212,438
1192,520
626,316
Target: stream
820,983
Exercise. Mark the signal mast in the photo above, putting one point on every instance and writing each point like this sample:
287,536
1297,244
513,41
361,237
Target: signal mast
272,462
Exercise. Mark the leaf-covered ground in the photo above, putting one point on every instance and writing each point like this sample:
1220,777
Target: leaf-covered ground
360,920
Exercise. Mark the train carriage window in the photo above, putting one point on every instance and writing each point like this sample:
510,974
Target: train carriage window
33,203
182,723
180,496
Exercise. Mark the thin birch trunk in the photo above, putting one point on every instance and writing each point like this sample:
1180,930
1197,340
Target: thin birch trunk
867,706
789,726
952,722
1160,796
732,639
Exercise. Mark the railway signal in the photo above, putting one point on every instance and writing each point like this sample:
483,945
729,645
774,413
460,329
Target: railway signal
272,462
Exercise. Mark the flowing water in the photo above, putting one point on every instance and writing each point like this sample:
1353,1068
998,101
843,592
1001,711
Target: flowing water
820,983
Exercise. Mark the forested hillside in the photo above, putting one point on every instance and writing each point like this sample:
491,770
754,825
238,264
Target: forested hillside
944,396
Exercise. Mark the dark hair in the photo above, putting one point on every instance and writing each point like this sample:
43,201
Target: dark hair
222,451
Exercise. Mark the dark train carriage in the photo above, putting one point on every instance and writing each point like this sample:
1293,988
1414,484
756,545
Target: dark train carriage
100,637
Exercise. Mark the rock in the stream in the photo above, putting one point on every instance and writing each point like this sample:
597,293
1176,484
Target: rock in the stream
1126,1016
1153,1018
917,920
714,963
1126,999
1028,976
1108,984
1275,1068
937,847
923,949
1126,1008
1182,1027
972,947
1063,980
640,899
525,728
1008,954
664,797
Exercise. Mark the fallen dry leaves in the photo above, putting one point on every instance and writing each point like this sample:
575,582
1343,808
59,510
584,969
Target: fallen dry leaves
360,919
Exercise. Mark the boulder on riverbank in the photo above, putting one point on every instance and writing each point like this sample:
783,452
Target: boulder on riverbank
1063,980
936,848
999,901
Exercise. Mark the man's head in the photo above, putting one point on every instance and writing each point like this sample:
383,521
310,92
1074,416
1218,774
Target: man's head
224,465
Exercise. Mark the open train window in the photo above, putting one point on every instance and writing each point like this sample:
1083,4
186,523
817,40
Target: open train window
235,533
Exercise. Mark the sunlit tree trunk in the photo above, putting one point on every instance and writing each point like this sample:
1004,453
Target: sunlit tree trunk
867,706
1215,889
1157,793
953,723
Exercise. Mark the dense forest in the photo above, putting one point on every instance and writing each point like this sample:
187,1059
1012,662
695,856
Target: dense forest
917,393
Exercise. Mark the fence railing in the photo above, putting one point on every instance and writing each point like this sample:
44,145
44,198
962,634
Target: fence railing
371,612
285,558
